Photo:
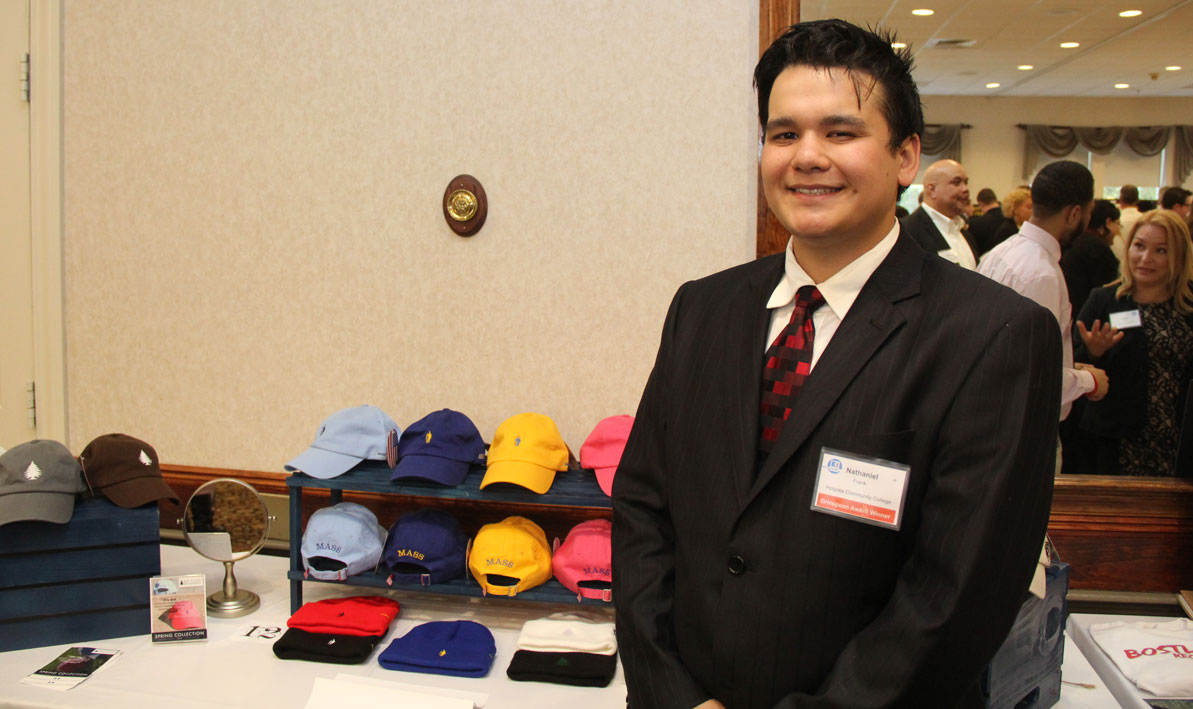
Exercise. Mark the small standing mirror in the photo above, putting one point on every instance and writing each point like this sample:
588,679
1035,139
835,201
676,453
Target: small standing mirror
227,521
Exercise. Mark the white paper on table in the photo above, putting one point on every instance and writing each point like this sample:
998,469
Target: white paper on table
346,690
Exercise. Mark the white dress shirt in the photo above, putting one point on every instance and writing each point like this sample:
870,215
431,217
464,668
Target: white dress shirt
839,291
958,251
1029,264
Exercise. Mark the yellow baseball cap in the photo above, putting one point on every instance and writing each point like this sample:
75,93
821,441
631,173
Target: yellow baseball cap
510,556
527,450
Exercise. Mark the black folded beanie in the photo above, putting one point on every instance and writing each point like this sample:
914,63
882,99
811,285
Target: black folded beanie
578,669
298,644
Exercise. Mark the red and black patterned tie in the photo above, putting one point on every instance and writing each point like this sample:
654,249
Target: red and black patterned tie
788,363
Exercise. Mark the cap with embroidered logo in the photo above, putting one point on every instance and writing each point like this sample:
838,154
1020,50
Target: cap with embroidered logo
510,556
584,562
441,447
602,450
459,648
341,541
38,481
424,547
125,470
346,438
527,450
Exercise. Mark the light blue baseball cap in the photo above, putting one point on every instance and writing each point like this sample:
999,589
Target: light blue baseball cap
346,438
344,539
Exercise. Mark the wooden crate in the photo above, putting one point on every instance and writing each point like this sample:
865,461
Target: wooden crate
81,581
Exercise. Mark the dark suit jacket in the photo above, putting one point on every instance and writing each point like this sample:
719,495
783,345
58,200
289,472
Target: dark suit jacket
983,228
1123,411
919,226
728,585
1088,263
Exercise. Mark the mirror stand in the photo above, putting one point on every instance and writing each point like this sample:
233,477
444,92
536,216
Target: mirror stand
230,601
226,520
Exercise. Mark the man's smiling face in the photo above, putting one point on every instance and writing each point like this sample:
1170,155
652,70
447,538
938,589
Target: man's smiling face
827,169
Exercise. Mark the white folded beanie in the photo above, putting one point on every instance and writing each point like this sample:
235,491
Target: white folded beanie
566,632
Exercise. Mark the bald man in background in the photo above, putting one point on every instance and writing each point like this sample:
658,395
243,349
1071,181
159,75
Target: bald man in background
939,224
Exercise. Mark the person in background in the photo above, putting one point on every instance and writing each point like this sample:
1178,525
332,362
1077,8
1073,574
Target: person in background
1016,209
1028,263
939,226
1178,199
1088,262
1140,330
986,223
1129,212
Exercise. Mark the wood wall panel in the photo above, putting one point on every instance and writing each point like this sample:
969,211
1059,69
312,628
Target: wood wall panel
775,16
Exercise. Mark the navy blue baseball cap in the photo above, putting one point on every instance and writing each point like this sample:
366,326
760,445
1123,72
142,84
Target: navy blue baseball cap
439,447
460,648
426,546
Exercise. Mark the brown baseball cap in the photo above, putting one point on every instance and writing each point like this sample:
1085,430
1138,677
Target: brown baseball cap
125,470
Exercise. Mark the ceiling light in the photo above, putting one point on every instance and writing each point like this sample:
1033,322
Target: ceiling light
923,12
1026,67
1130,13
898,45
1069,45
1122,86
993,85
1172,68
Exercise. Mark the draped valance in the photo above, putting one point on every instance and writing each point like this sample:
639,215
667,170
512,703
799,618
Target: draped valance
1059,141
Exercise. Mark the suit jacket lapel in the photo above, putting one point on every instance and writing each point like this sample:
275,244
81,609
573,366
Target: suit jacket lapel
870,322
743,386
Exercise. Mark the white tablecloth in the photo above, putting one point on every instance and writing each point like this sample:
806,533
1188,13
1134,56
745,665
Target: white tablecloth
231,670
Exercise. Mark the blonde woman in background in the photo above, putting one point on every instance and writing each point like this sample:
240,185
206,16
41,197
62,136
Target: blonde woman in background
1140,331
1016,207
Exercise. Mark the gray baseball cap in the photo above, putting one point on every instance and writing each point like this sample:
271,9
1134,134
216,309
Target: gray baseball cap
38,481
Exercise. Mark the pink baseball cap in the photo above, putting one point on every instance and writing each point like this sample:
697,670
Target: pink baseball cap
184,616
584,562
602,449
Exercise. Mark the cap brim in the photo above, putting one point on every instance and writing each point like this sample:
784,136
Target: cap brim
533,477
444,471
604,478
57,507
138,491
323,464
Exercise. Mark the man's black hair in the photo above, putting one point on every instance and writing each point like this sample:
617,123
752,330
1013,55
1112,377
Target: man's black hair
1128,195
1174,196
1103,209
865,54
987,196
1059,185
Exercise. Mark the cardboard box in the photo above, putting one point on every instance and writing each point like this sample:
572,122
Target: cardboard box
84,580
1026,670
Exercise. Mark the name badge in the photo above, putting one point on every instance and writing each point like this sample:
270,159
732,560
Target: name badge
869,490
1125,319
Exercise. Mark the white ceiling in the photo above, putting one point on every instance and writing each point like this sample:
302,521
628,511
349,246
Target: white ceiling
1007,33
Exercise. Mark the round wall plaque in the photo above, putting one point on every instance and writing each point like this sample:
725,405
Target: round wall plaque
465,205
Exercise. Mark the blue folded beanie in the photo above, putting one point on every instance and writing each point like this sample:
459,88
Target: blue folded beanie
460,648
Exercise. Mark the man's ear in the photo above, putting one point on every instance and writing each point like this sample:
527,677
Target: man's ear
909,161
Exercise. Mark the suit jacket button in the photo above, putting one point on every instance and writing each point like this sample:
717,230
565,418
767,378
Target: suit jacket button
736,565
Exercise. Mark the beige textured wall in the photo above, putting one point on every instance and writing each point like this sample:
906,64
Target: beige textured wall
253,235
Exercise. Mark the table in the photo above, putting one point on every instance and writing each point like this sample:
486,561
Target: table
231,669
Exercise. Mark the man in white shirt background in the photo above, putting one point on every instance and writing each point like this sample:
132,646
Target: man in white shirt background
939,224
1062,197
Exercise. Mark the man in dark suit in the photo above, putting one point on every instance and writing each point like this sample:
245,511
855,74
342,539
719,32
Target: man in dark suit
983,227
939,224
867,539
